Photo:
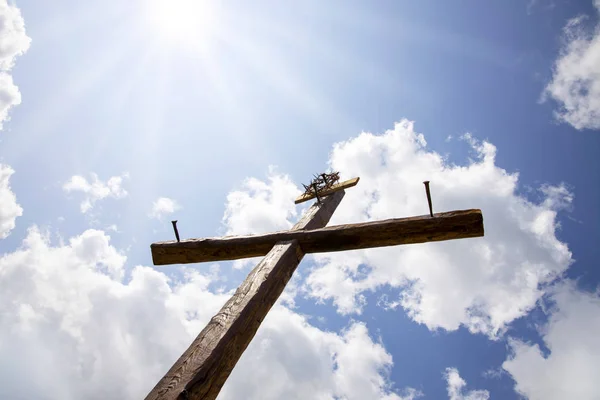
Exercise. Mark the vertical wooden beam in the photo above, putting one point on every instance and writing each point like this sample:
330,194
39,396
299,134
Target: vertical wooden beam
205,366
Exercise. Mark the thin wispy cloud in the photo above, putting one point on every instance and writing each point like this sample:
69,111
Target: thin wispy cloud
162,207
95,189
456,387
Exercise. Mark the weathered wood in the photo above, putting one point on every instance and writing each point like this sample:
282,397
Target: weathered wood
338,186
391,232
204,367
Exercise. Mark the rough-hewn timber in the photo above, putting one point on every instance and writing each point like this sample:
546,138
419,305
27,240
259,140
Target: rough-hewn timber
338,186
391,232
204,367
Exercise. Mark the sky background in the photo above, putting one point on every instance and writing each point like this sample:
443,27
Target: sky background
118,117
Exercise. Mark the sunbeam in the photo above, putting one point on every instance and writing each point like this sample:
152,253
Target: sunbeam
187,23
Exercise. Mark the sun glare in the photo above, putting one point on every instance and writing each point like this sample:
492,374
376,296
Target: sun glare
184,21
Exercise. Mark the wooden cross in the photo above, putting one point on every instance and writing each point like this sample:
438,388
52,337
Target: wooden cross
205,366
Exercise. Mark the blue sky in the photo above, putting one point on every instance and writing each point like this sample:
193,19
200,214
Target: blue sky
124,115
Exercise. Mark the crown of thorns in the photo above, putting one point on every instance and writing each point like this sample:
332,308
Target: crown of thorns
321,182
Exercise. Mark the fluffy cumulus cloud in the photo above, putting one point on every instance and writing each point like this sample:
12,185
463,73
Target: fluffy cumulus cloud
9,96
259,206
575,82
163,206
10,209
456,388
95,189
13,39
570,370
300,362
13,42
482,283
72,327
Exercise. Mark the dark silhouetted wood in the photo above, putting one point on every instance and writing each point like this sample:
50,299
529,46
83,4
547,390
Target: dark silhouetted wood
204,367
391,232
338,186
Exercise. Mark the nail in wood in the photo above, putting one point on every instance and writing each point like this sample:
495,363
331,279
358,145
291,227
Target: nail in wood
175,229
426,183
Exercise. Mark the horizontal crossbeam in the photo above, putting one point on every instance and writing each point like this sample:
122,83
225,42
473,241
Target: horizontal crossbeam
391,232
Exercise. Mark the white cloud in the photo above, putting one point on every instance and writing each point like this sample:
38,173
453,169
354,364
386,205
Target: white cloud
10,209
95,189
163,206
9,96
570,371
71,327
261,206
13,42
113,228
13,39
482,283
321,365
258,207
456,386
575,82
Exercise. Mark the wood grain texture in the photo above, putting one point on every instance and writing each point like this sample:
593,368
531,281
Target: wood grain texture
391,232
205,366
338,186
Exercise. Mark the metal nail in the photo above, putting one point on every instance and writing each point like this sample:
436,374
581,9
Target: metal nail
175,229
426,183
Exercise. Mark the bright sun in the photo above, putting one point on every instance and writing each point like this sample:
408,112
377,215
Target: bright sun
186,21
